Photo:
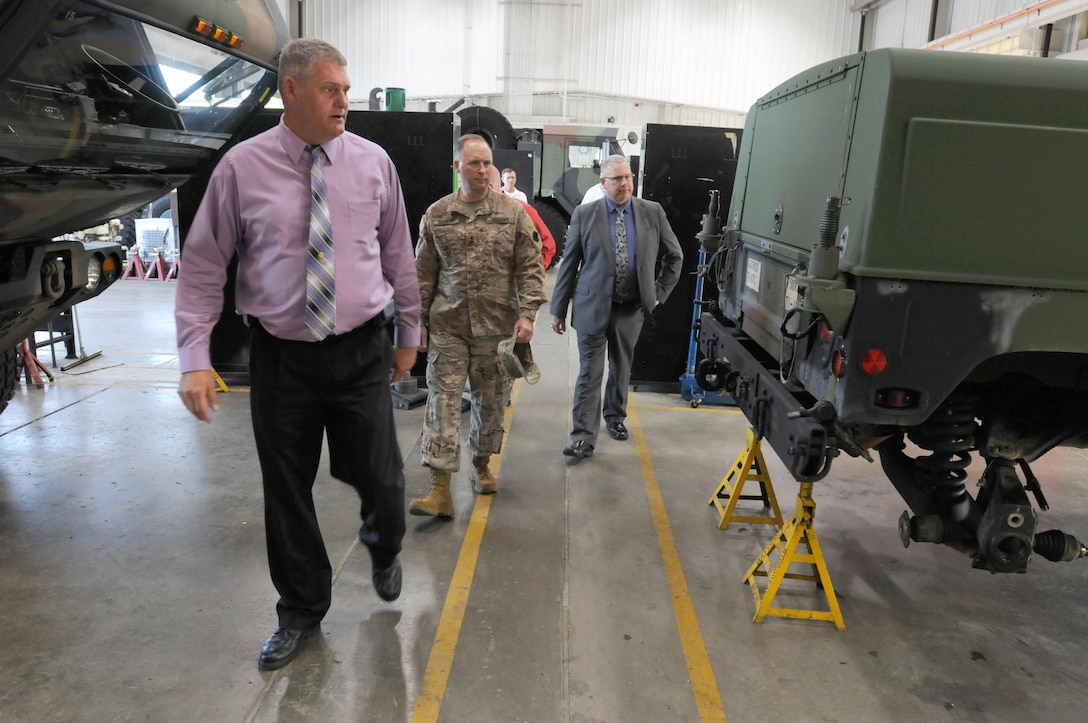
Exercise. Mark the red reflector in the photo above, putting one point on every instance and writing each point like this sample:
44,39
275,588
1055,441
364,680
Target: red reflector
874,361
838,363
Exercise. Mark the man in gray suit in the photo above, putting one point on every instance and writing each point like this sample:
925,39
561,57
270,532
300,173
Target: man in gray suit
613,247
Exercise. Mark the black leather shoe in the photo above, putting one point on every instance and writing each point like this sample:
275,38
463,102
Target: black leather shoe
579,450
617,431
283,647
387,581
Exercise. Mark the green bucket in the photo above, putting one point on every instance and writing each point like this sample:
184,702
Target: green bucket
394,99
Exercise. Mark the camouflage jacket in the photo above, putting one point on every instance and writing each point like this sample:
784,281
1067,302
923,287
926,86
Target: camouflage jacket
478,270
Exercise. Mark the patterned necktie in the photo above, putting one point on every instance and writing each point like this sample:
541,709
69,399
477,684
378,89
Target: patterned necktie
622,290
320,281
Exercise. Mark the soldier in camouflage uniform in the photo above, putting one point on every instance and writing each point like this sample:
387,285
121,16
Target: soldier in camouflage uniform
481,280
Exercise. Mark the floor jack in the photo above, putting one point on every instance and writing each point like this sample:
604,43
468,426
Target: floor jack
407,394
690,391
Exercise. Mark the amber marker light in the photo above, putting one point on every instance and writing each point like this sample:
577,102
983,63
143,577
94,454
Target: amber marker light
874,362
202,27
210,30
110,267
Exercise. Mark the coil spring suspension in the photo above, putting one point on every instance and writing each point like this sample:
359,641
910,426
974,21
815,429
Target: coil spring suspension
949,434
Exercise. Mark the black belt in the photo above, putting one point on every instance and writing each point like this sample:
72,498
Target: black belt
378,322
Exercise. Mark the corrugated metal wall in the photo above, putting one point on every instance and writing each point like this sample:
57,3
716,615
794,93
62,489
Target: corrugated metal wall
428,47
637,61
968,24
629,62
900,24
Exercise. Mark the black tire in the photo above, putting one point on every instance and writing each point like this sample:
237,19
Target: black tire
490,124
556,223
9,376
128,231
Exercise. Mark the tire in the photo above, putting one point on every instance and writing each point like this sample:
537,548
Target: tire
128,231
490,124
9,376
556,223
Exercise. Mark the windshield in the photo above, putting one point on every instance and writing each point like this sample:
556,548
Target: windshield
105,113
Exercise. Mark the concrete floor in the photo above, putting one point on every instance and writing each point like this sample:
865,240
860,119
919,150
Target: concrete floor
134,586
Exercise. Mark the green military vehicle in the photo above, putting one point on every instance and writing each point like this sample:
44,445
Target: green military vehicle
105,107
903,268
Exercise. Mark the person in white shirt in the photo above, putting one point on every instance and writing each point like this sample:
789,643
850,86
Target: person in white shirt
595,193
509,179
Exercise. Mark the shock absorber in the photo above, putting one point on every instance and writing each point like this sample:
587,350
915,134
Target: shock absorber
949,434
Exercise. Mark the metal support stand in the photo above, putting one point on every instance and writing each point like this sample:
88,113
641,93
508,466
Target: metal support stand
733,482
798,530
157,268
83,355
135,268
219,383
175,267
32,366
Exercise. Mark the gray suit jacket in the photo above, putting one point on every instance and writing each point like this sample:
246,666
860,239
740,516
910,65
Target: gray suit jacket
588,267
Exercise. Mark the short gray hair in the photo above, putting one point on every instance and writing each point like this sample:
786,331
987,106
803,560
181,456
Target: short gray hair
299,56
612,161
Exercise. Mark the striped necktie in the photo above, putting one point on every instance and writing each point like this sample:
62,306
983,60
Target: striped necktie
320,279
622,290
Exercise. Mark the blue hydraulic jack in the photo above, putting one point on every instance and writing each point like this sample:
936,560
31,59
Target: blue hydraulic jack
710,236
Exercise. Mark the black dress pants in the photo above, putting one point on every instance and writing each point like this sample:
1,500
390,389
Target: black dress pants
301,392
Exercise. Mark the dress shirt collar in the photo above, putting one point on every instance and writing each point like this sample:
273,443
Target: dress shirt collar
612,205
296,147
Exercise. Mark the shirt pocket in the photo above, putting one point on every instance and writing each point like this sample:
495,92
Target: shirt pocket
364,218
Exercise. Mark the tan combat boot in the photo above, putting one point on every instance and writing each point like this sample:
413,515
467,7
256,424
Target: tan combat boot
439,502
483,481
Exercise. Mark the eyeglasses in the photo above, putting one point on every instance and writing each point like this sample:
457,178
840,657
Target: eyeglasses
618,179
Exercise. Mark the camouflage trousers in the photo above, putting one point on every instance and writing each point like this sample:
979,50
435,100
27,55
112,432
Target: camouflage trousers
451,359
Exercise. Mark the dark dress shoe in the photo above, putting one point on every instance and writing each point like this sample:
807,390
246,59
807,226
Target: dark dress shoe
617,431
283,647
579,450
387,581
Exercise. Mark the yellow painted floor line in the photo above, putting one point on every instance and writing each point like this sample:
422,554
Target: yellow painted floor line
435,677
717,409
704,687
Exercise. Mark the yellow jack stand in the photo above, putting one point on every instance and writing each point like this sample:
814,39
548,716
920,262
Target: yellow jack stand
219,383
733,482
799,529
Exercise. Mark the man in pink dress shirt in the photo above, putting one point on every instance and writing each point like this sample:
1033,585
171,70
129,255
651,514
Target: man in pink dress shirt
307,385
